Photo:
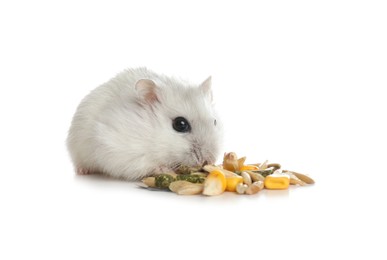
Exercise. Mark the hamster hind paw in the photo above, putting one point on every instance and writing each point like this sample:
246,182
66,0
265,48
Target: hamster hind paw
83,171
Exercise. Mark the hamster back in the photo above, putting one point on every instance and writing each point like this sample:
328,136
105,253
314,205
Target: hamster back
140,123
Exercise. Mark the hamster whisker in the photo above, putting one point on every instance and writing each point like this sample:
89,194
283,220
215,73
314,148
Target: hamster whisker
175,166
197,154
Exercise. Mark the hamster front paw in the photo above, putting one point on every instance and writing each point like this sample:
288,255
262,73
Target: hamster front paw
163,169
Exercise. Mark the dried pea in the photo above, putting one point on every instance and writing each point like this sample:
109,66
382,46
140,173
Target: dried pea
190,178
163,181
187,169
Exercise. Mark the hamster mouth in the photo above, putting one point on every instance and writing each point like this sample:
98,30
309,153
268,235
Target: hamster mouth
200,158
194,158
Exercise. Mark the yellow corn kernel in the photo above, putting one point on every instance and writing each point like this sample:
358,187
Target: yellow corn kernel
215,183
277,182
249,168
232,182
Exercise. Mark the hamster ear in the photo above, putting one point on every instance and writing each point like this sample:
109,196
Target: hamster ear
206,88
146,90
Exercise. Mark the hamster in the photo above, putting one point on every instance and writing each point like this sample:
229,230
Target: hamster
140,123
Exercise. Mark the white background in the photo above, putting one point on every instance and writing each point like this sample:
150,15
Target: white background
297,82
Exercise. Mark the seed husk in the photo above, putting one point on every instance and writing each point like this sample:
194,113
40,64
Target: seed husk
241,162
191,189
294,180
255,176
230,162
186,187
149,181
241,188
263,165
254,188
246,178
303,177
176,185
260,184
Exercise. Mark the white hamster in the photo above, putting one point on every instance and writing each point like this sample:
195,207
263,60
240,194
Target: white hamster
140,123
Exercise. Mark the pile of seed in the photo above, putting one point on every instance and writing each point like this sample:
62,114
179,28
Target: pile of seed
233,176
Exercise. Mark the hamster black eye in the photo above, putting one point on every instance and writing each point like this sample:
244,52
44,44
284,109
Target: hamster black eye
180,124
214,122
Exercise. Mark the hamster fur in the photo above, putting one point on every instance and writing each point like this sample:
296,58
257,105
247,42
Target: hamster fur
124,128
